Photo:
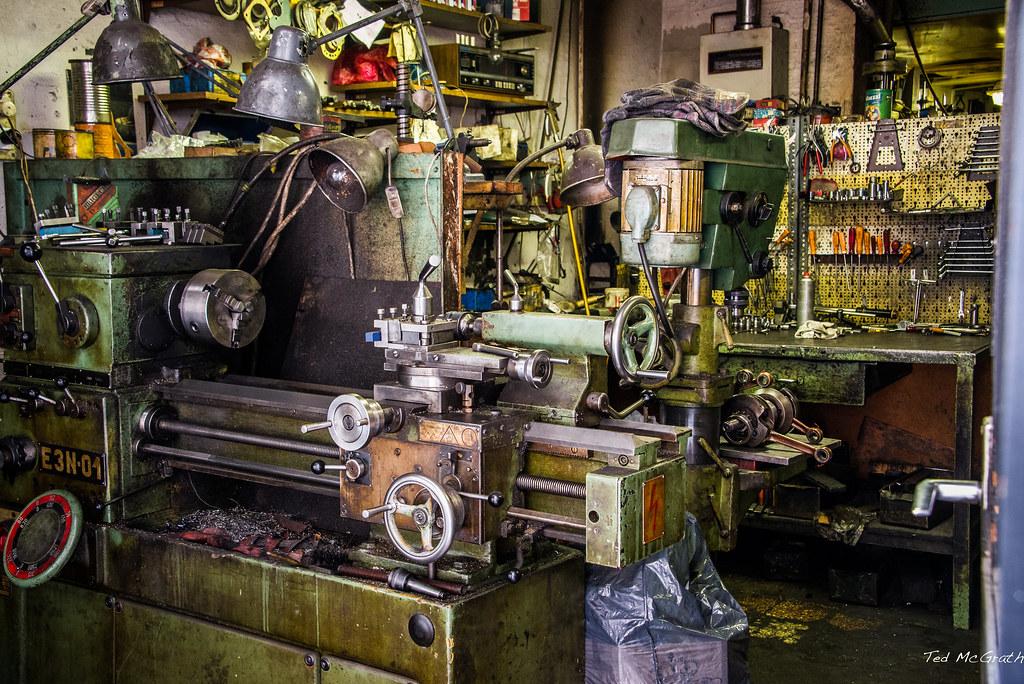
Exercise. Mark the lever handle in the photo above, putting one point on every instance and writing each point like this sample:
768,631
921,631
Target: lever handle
726,332
432,263
927,492
33,393
313,427
494,499
377,510
319,467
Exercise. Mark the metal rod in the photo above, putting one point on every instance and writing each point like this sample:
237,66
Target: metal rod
442,106
203,69
163,117
45,52
376,575
565,537
547,518
356,25
46,281
178,427
499,255
276,476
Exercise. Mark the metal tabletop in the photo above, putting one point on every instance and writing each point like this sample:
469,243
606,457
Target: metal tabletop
898,347
913,348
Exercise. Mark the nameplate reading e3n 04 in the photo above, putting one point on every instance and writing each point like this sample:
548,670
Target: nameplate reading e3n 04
71,462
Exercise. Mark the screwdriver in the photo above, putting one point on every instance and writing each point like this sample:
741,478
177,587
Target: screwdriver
906,252
851,245
837,247
860,257
812,248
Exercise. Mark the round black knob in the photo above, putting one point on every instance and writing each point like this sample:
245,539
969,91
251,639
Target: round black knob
30,251
25,337
4,397
31,393
318,467
495,499
514,576
61,382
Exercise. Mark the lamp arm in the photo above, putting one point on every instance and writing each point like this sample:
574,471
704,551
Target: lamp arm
530,158
412,10
197,65
353,27
89,10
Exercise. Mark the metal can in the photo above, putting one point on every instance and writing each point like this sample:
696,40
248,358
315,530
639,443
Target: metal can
877,104
805,300
74,144
44,143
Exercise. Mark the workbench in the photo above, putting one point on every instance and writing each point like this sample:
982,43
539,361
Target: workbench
843,364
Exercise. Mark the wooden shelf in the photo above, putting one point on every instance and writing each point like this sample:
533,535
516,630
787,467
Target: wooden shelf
224,101
434,14
454,96
205,6
467,21
194,99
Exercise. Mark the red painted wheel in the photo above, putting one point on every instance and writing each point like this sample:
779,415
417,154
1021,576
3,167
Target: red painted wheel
42,538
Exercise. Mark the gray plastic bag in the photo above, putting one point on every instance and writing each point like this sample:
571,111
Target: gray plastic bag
665,619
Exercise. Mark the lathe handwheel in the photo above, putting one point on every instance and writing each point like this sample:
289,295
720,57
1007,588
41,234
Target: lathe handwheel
355,420
635,337
436,523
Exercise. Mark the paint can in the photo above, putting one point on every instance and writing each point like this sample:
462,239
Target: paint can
74,144
877,104
44,143
107,144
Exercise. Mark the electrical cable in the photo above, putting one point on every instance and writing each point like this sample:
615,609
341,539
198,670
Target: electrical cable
245,187
289,171
652,283
23,167
917,56
275,236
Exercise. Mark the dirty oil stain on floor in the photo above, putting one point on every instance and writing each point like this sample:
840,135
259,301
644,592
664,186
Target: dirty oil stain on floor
798,634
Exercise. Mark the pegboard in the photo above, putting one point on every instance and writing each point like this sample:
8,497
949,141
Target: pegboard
933,200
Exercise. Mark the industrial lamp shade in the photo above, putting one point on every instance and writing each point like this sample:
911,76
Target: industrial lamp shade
282,87
583,181
129,50
349,171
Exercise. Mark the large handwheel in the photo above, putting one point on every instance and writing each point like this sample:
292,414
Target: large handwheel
437,512
635,337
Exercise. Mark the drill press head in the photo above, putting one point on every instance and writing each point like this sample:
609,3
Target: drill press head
691,199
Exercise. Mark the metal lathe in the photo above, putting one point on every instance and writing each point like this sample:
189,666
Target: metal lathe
431,528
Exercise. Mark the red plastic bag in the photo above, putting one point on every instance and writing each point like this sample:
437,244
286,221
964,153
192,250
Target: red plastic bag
359,65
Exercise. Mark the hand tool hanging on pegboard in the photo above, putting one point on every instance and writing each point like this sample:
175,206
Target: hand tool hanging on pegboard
886,138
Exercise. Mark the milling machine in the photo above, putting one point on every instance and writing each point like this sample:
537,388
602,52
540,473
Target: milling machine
450,510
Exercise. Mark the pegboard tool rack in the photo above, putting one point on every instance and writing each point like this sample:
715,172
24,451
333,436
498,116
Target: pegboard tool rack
936,199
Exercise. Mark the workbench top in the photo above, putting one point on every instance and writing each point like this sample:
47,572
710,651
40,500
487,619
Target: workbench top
898,347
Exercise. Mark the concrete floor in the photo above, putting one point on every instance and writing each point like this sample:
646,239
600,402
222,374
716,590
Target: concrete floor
799,635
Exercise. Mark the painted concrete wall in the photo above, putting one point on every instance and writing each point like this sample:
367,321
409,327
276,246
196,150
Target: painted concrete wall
624,44
684,21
